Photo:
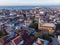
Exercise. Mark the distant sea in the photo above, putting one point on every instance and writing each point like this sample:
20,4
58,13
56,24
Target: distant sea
26,7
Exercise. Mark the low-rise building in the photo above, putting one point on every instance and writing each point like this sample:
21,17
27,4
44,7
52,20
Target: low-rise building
41,42
17,41
58,39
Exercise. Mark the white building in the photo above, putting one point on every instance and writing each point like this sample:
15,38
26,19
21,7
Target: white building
59,39
41,42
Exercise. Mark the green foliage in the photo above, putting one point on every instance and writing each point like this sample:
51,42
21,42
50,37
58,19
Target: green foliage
57,26
46,37
3,33
37,35
34,25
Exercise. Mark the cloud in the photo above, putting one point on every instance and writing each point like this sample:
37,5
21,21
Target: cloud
29,2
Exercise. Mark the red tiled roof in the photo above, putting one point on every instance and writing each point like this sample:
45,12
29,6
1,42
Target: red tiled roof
18,32
50,44
1,41
17,40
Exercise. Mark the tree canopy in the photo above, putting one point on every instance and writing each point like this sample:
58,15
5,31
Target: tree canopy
34,25
57,26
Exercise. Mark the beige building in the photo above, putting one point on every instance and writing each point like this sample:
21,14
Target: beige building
46,27
58,22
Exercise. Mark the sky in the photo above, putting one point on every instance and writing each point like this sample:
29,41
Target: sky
29,2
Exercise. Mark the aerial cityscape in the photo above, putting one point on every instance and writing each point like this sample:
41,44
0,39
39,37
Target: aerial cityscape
29,26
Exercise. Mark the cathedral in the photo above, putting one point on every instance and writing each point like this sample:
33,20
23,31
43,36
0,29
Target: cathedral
46,27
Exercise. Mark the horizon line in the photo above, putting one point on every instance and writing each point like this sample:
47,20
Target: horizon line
29,5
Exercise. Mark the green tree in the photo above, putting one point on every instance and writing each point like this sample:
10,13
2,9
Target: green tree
37,35
34,25
46,37
3,33
57,26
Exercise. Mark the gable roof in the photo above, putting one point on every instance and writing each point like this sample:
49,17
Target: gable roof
17,40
